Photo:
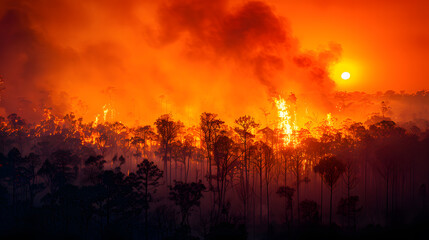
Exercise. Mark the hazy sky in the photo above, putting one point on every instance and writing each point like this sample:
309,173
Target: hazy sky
145,58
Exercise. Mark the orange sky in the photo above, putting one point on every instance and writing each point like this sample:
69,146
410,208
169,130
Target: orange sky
188,56
387,42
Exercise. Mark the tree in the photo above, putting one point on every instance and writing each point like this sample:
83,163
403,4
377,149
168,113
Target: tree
392,149
350,181
94,166
65,163
245,126
330,169
141,136
182,152
226,160
310,213
210,126
287,193
348,208
296,158
14,159
361,138
116,198
167,131
148,175
28,172
186,196
262,161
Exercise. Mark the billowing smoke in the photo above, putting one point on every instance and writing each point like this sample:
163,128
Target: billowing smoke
143,59
252,36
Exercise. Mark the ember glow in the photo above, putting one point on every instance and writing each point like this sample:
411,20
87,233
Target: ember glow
267,113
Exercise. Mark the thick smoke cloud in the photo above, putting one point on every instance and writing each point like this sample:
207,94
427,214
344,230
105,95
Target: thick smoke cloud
252,35
143,59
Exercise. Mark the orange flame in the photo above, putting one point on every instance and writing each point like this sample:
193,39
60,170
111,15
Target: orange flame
287,120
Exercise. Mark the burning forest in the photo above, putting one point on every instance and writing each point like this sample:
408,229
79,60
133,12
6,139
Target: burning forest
197,119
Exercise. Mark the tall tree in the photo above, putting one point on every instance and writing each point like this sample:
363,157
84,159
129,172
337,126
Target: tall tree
330,169
287,193
167,130
210,127
148,175
296,160
141,136
186,196
226,159
246,124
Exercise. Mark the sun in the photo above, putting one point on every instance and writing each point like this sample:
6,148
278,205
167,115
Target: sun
341,74
345,75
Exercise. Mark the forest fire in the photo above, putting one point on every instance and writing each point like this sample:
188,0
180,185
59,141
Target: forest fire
201,119
287,119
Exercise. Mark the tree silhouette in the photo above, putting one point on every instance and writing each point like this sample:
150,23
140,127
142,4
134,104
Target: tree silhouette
210,126
296,161
45,187
167,131
330,169
186,196
390,151
287,193
226,159
141,136
348,208
245,126
65,163
94,167
148,175
310,213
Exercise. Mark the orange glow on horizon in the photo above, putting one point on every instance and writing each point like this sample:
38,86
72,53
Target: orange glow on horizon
187,57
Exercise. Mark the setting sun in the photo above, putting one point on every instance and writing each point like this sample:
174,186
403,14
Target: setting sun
345,75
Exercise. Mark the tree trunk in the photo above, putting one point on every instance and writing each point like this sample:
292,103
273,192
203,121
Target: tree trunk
170,166
146,183
330,209
387,198
260,197
321,200
297,193
209,160
268,207
165,163
146,224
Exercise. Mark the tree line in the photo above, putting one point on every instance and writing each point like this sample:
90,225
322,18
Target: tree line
64,177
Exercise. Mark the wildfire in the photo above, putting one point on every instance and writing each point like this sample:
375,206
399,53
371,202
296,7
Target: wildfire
329,119
105,111
287,119
97,118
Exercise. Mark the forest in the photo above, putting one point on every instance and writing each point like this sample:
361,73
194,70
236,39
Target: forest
65,178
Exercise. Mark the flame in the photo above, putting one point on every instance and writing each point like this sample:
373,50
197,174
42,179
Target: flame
96,121
329,119
287,120
105,111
